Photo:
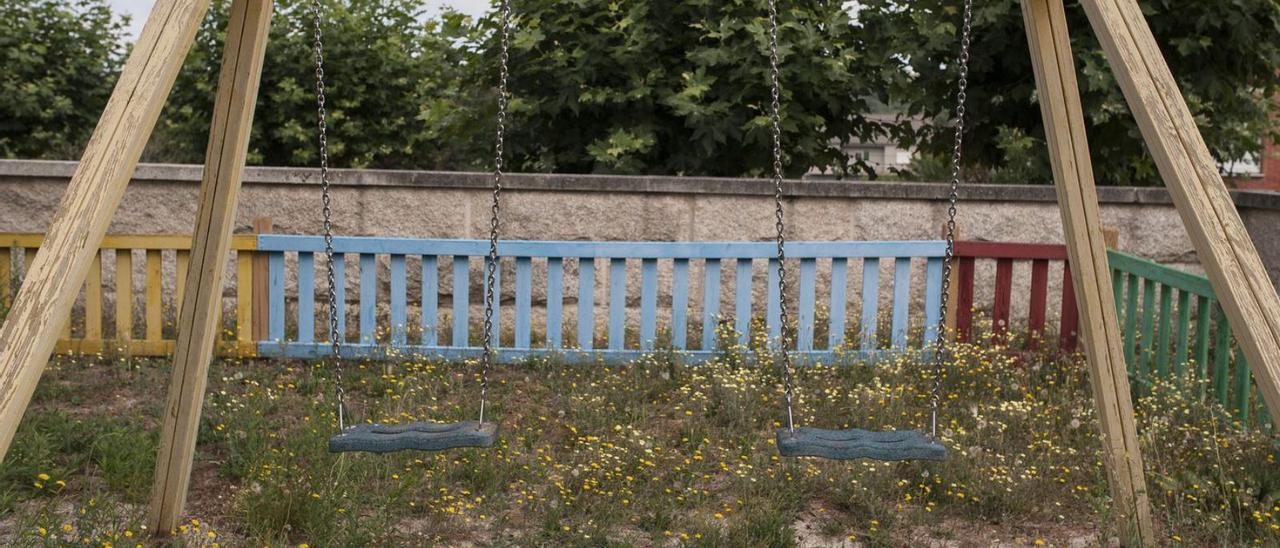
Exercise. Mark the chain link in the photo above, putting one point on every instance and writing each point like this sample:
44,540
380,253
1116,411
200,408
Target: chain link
335,338
491,265
775,120
940,345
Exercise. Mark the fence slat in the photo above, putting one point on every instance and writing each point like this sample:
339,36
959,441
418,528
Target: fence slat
1162,331
340,294
617,303
773,310
1117,289
1221,356
1183,333
1070,320
524,301
964,298
399,298
1243,380
648,303
6,276
586,302
1038,306
461,301
839,296
1131,323
932,300
1202,340
1003,296
368,297
124,295
244,297
742,304
306,297
555,302
901,301
1146,342
870,302
710,303
806,314
430,300
275,291
155,297
92,296
680,303
495,328
182,259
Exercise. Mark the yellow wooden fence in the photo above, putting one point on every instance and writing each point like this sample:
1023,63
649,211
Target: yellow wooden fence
156,327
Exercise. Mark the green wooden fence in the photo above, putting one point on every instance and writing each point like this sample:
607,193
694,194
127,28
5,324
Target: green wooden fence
1175,328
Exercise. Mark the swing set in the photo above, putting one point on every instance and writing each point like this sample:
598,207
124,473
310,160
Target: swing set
54,277
845,444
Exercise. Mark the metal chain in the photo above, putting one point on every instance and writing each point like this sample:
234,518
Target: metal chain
491,266
775,119
335,338
939,351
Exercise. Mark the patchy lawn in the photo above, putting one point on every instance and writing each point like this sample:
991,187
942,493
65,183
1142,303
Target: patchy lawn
648,454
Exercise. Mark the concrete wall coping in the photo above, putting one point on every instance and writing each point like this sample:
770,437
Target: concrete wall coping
45,169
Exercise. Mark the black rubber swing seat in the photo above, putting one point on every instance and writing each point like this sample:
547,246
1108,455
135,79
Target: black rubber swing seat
418,436
891,445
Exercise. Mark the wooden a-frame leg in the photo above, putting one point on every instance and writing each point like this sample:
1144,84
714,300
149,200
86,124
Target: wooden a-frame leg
247,30
1059,95
42,305
1235,270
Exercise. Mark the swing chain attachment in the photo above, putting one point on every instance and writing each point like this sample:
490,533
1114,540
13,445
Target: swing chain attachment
335,338
940,345
775,120
491,266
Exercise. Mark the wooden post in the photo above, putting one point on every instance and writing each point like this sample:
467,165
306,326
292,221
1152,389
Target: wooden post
261,225
200,309
1059,96
31,330
6,275
1235,270
1111,237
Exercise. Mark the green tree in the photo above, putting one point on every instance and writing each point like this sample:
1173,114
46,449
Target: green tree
397,90
683,87
1224,54
58,62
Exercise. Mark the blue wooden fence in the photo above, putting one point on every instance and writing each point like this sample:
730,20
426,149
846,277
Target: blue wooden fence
596,264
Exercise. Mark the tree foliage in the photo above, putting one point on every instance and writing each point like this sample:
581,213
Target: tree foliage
58,62
683,87
638,86
1224,54
398,93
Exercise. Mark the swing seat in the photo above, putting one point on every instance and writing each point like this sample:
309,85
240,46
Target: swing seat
418,436
892,445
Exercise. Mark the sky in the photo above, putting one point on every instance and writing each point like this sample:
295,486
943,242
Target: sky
138,9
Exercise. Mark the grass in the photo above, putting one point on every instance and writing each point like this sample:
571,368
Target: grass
647,454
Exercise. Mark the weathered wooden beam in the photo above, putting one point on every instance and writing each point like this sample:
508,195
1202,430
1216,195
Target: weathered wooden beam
1228,255
42,305
1060,107
201,307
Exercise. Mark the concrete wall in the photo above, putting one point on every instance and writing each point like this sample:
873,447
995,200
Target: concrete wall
162,199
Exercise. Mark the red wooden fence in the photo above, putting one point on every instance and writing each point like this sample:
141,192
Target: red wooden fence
968,253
